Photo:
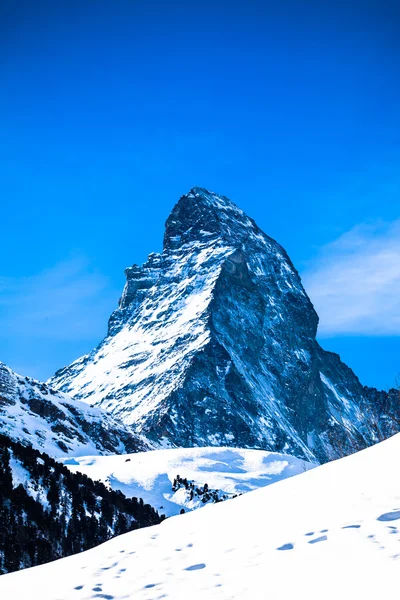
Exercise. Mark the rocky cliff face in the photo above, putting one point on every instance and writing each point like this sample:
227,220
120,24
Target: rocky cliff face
35,414
213,343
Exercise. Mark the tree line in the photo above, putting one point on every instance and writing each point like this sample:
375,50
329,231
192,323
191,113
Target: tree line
55,513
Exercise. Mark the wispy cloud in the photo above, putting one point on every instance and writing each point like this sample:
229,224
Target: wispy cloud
65,302
354,283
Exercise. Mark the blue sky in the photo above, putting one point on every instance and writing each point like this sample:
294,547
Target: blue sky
110,111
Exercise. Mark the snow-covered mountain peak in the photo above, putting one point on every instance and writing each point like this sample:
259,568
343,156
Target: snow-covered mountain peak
213,343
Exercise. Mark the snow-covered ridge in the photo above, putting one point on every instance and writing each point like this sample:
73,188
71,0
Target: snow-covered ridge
33,413
333,532
150,475
151,353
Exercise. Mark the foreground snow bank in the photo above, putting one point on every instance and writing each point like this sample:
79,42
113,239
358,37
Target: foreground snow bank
150,475
332,532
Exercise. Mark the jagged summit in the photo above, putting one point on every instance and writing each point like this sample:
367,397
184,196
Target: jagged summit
202,196
201,212
213,343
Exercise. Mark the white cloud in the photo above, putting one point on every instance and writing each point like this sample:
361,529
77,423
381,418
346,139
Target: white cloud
68,301
354,283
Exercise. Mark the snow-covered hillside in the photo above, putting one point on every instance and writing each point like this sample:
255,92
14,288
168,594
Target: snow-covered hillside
332,532
33,413
151,475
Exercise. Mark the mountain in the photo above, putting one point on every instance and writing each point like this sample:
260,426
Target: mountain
35,414
188,478
332,532
47,512
214,343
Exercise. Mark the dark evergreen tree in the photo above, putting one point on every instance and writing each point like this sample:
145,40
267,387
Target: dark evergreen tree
78,515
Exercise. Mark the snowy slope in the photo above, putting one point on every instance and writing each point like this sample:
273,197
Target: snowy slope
214,344
33,413
332,532
150,475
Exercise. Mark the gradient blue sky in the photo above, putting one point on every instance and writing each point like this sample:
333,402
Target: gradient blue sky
111,110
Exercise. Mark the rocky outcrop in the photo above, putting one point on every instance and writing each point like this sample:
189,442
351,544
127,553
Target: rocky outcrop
35,414
214,343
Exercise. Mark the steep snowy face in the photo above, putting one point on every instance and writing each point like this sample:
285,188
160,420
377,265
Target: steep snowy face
34,414
213,343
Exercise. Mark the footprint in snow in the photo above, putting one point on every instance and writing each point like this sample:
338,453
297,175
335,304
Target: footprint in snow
351,527
196,567
286,547
115,564
389,516
322,538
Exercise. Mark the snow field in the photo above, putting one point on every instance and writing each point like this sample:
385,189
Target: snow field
331,532
150,475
